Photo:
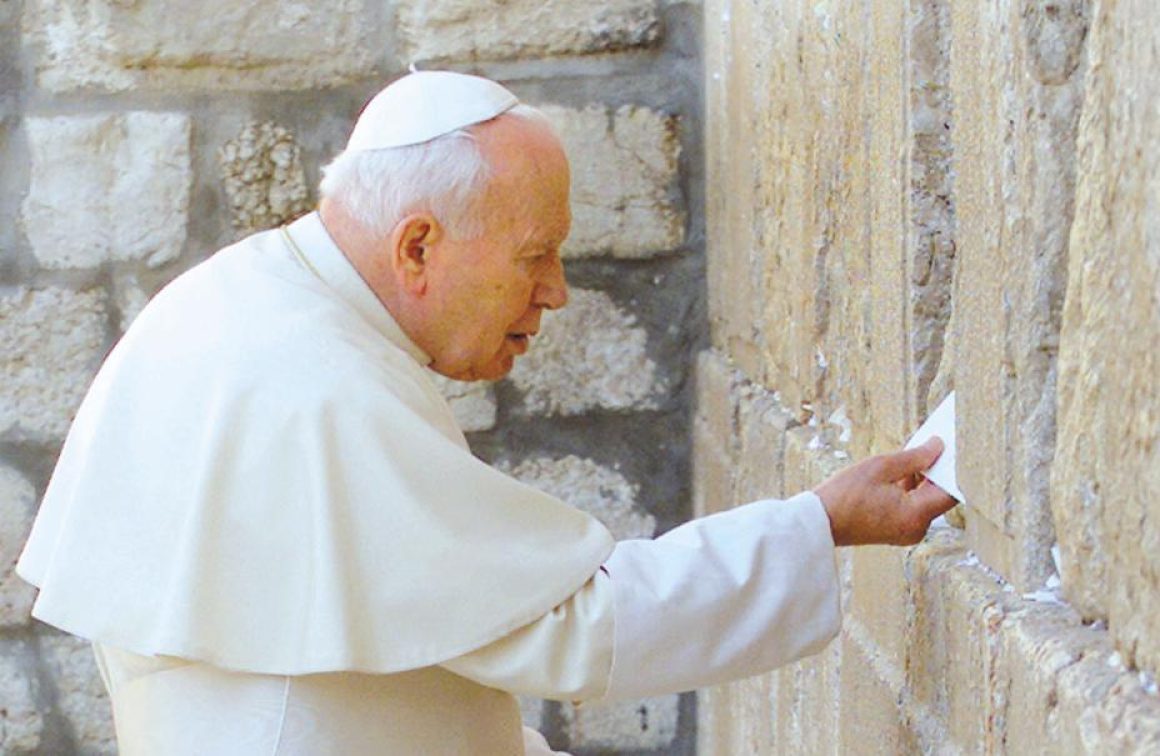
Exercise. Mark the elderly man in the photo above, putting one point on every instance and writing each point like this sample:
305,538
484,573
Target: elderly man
269,525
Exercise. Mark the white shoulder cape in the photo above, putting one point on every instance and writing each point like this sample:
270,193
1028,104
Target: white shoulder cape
264,478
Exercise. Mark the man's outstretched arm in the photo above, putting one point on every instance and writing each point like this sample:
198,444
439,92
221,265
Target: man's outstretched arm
722,597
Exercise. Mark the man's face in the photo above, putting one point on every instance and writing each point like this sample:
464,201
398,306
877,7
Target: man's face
490,291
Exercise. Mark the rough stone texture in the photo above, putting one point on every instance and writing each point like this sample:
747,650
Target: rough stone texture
600,491
129,298
17,504
591,354
21,723
108,187
53,341
263,177
1106,477
473,403
81,696
123,45
139,137
714,434
625,201
650,723
1017,81
874,169
468,30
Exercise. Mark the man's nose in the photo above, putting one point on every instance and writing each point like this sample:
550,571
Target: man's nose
552,288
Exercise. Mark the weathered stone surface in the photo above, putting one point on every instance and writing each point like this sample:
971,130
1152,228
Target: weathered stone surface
600,491
263,177
591,354
17,505
108,187
507,29
129,299
958,610
1106,476
880,597
1015,133
81,695
844,208
21,724
472,402
714,435
650,723
53,341
761,447
869,719
737,281
807,694
930,244
625,201
276,44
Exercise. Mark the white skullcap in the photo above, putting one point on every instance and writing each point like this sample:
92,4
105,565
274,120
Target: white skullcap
426,104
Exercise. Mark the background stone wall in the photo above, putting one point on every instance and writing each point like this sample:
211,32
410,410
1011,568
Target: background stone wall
904,198
138,136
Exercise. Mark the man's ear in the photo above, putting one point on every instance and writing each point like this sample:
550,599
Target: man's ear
412,242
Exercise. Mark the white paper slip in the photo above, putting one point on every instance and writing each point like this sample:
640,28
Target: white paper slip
941,423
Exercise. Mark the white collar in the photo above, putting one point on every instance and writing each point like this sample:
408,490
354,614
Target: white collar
310,242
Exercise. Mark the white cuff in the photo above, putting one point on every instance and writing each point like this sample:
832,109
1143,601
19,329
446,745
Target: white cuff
723,597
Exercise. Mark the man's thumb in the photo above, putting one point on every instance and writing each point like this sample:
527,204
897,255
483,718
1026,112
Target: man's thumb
911,461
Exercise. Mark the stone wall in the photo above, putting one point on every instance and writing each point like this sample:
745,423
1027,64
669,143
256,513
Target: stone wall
905,198
138,137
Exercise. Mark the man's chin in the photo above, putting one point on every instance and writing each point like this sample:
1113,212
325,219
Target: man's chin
494,371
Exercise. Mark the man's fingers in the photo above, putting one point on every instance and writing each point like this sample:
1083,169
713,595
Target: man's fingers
910,461
931,500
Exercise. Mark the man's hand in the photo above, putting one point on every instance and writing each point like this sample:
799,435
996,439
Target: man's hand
885,499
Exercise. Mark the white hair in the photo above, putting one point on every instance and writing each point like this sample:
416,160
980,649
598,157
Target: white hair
445,176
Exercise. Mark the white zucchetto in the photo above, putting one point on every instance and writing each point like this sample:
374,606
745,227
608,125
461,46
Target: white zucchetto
427,104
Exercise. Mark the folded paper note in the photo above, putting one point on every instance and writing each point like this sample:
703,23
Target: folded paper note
941,423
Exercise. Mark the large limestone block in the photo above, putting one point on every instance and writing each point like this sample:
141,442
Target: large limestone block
591,354
269,44
880,597
1106,476
108,187
81,695
53,341
952,665
800,139
928,194
762,424
263,177
507,29
714,435
625,201
21,723
869,720
989,670
587,485
808,704
17,505
1017,81
738,94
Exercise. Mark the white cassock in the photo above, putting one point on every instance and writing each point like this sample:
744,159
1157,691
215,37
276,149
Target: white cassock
268,523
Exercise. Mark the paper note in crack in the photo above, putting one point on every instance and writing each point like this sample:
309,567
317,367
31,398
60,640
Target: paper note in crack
941,423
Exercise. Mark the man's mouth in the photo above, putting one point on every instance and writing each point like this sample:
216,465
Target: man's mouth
521,341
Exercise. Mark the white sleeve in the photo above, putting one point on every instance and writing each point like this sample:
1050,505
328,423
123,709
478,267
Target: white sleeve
722,597
564,655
